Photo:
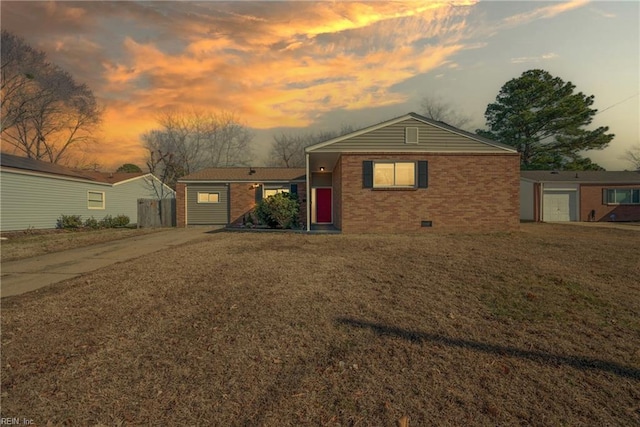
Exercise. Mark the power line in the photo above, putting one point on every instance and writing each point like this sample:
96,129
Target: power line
617,103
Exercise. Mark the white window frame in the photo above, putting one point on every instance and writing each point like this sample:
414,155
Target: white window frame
208,198
277,189
407,139
415,172
612,191
103,197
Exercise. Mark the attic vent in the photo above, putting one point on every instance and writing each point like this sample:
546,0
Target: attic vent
411,135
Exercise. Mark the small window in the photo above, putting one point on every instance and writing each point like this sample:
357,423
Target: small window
623,196
398,174
95,199
208,197
272,191
411,135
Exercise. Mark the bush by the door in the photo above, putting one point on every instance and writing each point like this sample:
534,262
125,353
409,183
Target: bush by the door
279,211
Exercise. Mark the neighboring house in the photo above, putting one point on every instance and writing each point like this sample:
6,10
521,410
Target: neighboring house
404,175
579,196
223,196
34,194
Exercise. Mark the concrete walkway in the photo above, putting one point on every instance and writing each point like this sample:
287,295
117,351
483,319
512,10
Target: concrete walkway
28,274
632,226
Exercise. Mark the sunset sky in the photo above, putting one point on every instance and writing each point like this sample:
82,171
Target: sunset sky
296,66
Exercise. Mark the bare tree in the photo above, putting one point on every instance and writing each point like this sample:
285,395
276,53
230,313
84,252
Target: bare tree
288,150
632,155
45,113
436,108
189,141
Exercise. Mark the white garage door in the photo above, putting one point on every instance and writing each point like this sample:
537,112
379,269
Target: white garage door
559,206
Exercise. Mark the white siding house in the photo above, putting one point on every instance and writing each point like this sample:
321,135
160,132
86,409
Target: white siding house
35,194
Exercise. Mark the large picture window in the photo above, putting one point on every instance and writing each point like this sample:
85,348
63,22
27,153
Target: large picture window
95,199
622,196
394,174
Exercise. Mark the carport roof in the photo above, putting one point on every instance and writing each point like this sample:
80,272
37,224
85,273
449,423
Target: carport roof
250,174
594,177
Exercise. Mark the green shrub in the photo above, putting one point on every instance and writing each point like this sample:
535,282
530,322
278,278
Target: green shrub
121,221
69,222
113,222
106,222
91,223
278,211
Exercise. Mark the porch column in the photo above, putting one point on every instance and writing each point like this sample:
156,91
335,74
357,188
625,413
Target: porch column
308,191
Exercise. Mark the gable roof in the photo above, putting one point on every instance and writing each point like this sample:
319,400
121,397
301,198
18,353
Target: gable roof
24,163
112,178
437,124
594,177
261,174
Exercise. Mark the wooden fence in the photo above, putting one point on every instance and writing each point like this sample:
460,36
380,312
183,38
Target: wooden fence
156,213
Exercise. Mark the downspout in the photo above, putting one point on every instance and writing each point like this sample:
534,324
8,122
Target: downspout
307,192
186,220
540,205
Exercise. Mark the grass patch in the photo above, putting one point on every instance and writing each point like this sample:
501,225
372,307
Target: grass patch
30,243
534,327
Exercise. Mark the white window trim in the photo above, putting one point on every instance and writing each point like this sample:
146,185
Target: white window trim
104,200
406,135
631,203
415,174
208,193
278,188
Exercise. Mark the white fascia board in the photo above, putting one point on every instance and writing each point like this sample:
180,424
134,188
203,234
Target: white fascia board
468,135
402,150
52,176
130,179
529,180
241,182
359,132
162,183
406,117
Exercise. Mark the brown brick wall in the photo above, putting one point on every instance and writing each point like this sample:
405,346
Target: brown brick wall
591,199
243,200
474,192
180,204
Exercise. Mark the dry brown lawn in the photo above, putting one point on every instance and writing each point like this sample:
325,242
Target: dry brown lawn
538,327
30,243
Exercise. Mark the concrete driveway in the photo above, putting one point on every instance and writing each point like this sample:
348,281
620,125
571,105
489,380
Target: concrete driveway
29,274
631,226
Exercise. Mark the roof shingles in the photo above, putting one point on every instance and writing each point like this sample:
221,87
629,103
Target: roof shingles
260,174
601,177
24,163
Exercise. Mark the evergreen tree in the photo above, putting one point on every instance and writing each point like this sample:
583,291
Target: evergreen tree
542,117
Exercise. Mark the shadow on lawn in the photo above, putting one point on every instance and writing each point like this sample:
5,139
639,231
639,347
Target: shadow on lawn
578,362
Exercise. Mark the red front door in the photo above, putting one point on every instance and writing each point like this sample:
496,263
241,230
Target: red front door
323,205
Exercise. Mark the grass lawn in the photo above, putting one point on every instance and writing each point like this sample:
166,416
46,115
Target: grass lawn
537,327
26,244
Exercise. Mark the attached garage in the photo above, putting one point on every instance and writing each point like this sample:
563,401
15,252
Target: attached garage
579,196
227,196
207,204
560,205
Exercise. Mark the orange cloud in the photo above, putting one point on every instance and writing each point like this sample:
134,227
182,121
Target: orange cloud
544,12
288,71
